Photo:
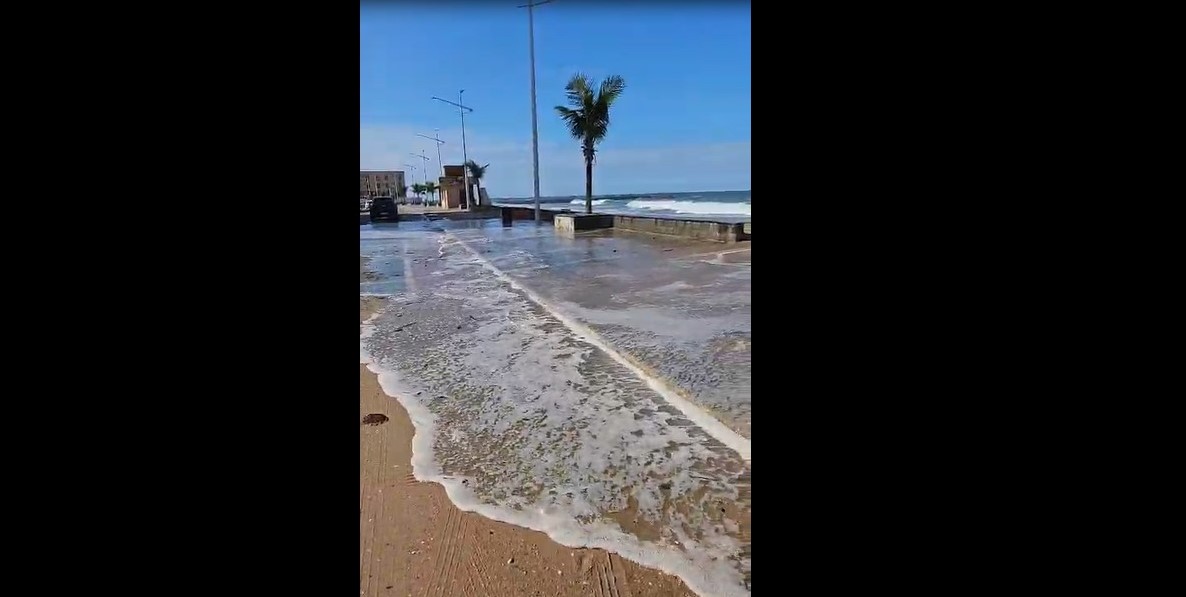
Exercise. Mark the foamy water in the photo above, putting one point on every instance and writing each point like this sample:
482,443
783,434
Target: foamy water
732,206
691,207
524,418
674,206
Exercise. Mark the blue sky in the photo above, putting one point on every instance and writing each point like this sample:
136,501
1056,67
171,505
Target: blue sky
683,123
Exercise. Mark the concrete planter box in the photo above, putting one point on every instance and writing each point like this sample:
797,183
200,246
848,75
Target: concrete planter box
569,224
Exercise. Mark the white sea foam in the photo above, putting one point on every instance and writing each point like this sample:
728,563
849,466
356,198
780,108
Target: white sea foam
582,202
525,419
692,207
570,519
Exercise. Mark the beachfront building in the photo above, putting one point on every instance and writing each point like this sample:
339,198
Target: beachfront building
452,186
450,192
380,183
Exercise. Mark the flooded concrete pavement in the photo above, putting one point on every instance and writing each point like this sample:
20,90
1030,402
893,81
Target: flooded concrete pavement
679,308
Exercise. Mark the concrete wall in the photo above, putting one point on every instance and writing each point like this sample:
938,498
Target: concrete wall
695,229
528,213
569,224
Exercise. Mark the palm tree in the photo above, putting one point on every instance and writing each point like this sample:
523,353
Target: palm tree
417,188
588,119
431,188
476,173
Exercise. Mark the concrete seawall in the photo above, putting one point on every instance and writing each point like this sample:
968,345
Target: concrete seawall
723,232
568,224
510,214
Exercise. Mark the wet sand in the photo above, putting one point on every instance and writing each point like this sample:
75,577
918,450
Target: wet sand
414,541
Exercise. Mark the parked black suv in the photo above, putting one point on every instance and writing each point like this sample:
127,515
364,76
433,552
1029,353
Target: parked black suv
384,208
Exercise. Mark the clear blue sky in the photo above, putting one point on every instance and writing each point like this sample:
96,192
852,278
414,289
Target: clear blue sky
683,123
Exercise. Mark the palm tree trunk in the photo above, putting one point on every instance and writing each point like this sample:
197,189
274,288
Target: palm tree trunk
588,185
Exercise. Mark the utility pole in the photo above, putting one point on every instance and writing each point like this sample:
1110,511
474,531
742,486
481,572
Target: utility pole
413,175
424,176
534,119
436,133
464,156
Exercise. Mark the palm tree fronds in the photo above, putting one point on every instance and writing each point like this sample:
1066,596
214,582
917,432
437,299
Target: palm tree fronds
578,90
476,171
574,119
611,88
587,118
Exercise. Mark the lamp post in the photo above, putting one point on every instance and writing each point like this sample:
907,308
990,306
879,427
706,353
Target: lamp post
464,156
424,176
436,133
534,120
413,172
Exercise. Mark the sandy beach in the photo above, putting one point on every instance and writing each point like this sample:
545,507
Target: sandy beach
414,541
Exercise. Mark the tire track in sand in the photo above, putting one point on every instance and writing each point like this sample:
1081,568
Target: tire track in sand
611,580
373,512
445,558
479,579
451,567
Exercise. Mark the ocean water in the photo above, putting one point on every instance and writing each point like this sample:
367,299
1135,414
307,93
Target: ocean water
528,409
733,206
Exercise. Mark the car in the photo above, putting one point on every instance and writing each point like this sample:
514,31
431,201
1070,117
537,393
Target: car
384,208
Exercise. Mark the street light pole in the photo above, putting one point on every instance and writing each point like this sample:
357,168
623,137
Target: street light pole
413,172
439,144
464,156
424,176
424,172
534,119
